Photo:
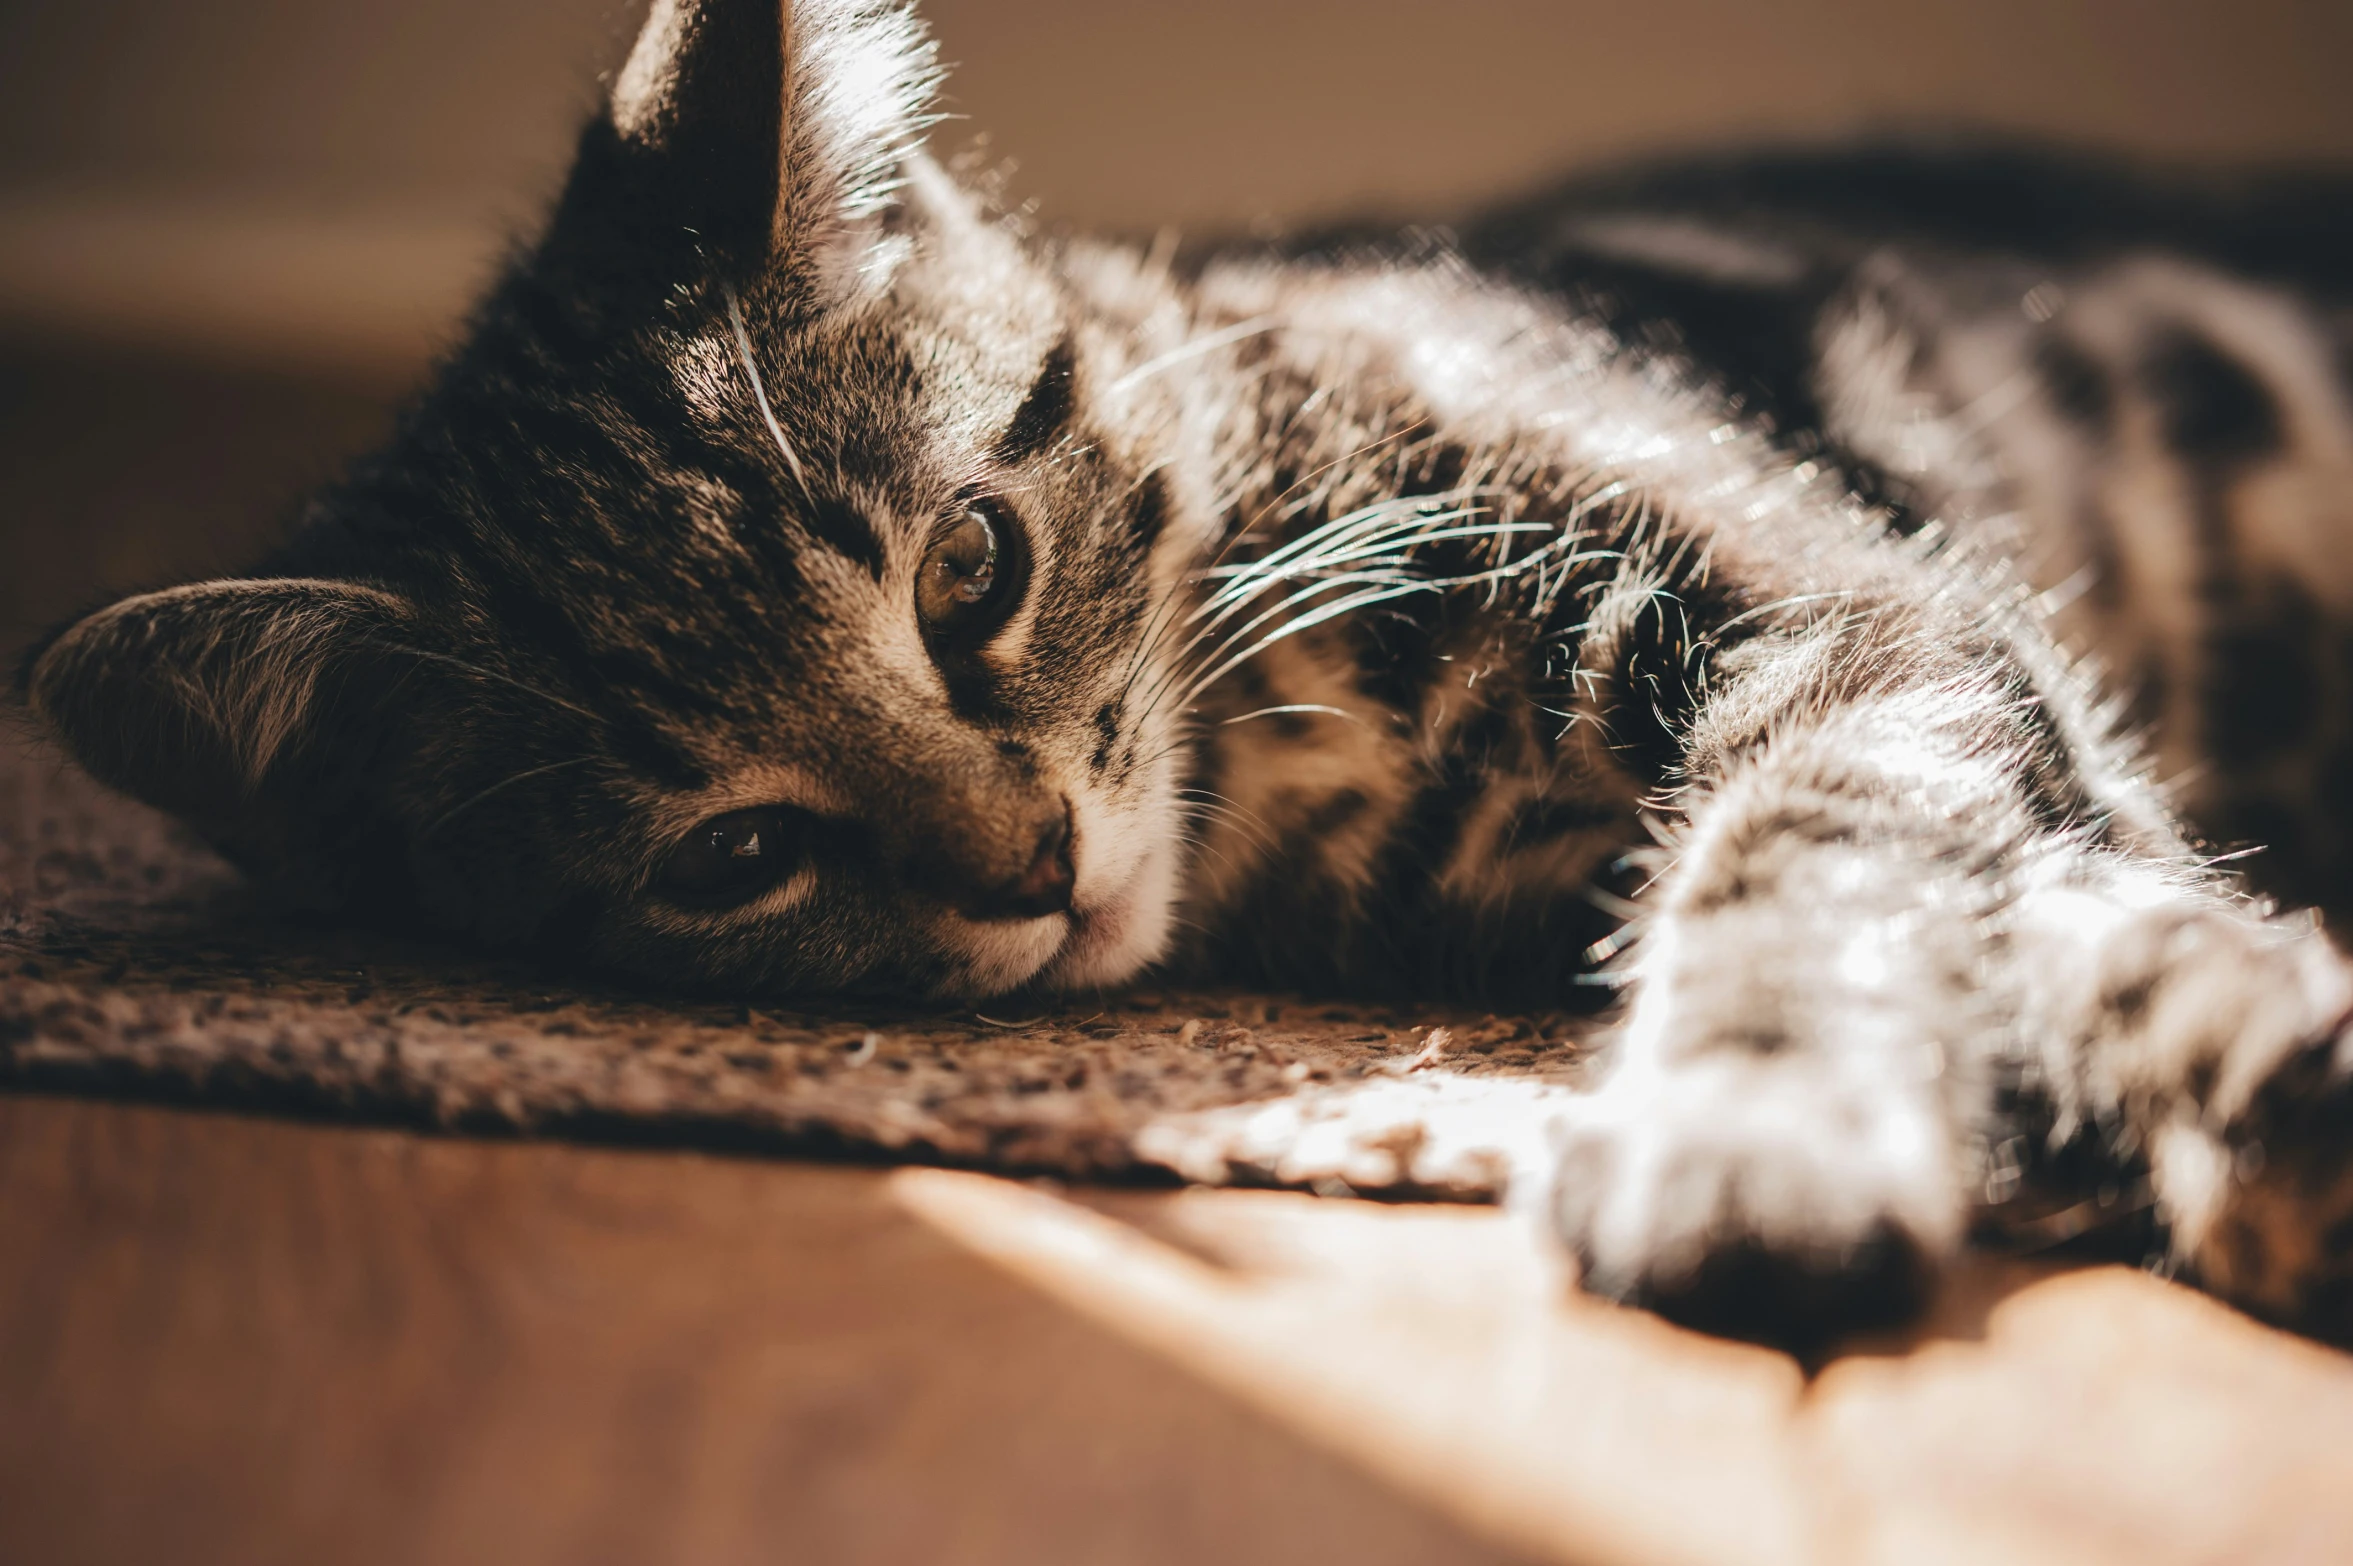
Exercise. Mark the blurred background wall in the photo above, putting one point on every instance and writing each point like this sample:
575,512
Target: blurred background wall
321,182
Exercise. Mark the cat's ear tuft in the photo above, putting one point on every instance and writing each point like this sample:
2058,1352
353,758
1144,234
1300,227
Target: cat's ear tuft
196,698
777,130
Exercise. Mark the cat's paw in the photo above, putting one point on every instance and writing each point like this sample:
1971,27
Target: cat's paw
1757,1197
2263,1214
2227,1038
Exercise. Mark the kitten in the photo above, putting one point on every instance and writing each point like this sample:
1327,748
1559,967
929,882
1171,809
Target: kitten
804,579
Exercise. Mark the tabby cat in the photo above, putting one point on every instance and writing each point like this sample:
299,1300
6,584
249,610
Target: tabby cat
1682,591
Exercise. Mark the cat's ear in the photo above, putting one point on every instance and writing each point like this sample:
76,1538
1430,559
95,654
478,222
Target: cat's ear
776,130
203,699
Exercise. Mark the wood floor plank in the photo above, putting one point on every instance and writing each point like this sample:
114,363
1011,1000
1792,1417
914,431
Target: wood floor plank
2039,1415
238,1340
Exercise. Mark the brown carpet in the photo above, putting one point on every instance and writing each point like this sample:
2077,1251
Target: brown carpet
132,961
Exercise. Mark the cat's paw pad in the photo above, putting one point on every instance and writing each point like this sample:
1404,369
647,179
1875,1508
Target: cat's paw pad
1801,1299
1752,1199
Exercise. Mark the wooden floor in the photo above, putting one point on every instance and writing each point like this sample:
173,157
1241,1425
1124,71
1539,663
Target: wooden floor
239,1340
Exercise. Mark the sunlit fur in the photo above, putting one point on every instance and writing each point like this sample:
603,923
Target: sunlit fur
1646,594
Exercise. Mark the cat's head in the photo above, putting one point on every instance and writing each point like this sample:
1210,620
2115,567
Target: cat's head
768,594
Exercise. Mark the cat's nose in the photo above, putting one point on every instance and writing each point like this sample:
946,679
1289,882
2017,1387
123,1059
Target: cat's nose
1041,889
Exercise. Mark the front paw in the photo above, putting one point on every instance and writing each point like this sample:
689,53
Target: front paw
1758,1197
2263,1215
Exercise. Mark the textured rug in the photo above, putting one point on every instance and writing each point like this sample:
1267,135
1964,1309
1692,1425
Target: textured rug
134,962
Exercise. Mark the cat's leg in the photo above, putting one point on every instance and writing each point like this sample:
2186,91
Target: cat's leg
2186,1032
1783,1143
1867,933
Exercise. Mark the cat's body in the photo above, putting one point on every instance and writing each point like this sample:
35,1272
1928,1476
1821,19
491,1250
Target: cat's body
804,580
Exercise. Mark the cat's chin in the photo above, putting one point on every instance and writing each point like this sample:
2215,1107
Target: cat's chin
1005,955
1106,945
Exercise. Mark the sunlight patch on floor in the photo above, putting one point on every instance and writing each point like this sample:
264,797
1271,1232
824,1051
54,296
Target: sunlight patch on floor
2039,1415
1434,1346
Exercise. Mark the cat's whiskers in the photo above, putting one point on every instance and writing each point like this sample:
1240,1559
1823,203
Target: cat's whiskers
1323,539
1164,619
434,827
1384,549
1192,840
1155,624
1365,532
1208,343
743,350
1291,707
1202,803
536,692
1208,800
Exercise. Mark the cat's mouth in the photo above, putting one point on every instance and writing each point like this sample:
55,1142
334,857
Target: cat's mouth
1078,946
1089,946
1110,938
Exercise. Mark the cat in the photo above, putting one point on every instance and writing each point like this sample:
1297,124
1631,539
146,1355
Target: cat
805,577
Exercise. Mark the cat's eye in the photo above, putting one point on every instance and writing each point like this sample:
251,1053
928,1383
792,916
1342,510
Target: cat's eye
735,857
964,574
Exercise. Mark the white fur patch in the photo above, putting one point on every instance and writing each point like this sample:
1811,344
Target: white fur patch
862,77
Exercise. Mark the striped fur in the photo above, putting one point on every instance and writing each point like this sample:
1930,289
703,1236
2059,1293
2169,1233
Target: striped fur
1670,594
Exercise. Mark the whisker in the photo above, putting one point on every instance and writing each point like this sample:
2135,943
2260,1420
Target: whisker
1380,538
1238,534
537,693
1218,807
455,811
1206,344
743,350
